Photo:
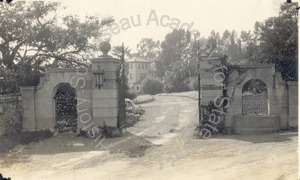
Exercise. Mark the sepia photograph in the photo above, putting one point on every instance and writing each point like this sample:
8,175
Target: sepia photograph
149,90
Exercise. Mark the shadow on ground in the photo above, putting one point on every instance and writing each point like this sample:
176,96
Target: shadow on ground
280,136
69,143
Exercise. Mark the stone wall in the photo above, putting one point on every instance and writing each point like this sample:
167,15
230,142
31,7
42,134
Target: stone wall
293,103
253,124
39,104
105,103
278,98
94,106
10,114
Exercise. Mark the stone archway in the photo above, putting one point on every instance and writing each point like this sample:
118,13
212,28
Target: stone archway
255,99
101,105
274,111
65,108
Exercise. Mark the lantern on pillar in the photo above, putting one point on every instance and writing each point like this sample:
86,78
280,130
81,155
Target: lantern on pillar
99,77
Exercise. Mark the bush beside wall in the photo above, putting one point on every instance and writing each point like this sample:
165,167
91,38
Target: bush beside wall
152,86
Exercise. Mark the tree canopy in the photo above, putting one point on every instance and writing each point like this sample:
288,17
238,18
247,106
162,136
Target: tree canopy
276,41
149,49
117,52
171,50
33,36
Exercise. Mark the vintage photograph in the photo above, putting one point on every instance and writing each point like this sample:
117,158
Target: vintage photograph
154,90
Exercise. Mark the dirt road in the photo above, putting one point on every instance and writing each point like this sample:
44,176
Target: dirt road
161,146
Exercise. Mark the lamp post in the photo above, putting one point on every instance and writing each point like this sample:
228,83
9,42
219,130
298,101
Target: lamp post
99,77
199,84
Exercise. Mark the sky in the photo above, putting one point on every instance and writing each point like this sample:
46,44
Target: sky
158,17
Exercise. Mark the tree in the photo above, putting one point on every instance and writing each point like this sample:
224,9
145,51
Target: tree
189,59
177,79
231,45
277,42
172,49
179,58
149,49
34,37
117,52
249,46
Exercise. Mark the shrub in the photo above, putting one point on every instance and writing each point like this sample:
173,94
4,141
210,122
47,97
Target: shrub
83,133
133,108
130,94
110,132
152,86
206,112
133,113
174,82
176,87
104,131
131,119
168,88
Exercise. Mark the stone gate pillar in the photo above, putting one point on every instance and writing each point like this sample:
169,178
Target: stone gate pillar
105,99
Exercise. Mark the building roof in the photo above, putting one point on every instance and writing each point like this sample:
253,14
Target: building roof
138,59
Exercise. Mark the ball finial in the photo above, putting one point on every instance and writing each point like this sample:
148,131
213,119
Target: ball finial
105,47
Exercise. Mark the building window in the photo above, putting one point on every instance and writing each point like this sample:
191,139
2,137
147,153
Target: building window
142,66
130,76
137,88
146,66
131,66
139,67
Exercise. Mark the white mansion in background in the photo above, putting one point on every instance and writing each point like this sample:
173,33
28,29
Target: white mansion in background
139,69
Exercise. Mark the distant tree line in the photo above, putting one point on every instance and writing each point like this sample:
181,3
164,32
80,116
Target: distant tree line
274,40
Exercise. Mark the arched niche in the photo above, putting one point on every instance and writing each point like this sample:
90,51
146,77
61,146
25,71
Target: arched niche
255,100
